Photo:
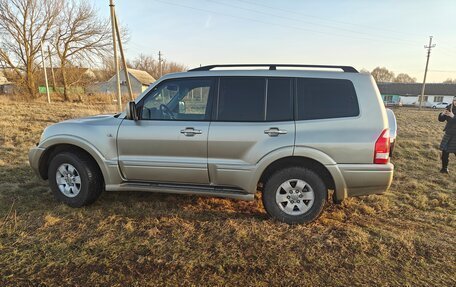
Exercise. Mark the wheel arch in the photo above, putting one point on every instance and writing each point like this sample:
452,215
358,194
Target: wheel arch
301,161
55,149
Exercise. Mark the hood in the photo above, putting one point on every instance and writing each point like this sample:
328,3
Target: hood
89,119
88,128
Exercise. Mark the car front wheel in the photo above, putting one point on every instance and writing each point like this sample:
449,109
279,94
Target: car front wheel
75,179
295,195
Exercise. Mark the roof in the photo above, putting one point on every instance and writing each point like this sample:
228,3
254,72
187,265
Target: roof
142,76
3,80
347,69
71,70
414,89
270,73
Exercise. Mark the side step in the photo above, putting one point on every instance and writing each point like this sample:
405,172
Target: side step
204,190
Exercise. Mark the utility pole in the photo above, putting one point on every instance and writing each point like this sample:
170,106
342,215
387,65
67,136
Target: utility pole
116,60
45,73
429,48
160,63
54,87
124,61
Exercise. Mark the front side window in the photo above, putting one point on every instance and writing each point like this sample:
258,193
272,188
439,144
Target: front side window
326,98
180,99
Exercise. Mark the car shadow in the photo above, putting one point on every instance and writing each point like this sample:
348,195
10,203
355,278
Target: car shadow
191,207
21,187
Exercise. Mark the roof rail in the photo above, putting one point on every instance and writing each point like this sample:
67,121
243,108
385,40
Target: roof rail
346,69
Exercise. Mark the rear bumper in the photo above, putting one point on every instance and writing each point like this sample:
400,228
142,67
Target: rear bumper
364,179
34,159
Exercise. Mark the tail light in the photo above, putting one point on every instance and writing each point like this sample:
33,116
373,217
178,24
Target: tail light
382,148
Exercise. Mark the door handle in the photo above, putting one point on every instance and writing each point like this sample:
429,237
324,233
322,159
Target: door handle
273,132
189,132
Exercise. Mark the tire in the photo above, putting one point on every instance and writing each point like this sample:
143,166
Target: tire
303,183
84,181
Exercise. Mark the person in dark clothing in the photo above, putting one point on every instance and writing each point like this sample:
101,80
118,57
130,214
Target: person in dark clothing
448,144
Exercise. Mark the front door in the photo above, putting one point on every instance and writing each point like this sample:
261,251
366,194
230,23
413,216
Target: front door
169,141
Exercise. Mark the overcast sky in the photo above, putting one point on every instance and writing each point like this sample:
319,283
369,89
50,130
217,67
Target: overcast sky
360,33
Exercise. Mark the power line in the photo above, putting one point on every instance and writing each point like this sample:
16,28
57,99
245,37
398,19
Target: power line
443,71
286,26
323,19
450,51
302,21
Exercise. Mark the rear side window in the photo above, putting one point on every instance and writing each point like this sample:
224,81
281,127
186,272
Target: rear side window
241,99
279,100
326,98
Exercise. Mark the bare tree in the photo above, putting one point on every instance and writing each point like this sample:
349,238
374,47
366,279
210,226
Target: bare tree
152,66
146,63
82,37
382,74
23,25
450,81
172,67
404,78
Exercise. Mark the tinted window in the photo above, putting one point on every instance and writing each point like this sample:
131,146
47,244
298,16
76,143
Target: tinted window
279,100
326,98
241,99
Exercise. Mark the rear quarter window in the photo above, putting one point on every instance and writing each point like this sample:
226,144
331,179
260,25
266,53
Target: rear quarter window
326,98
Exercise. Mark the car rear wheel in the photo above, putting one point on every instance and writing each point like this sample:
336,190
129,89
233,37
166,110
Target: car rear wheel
295,195
75,179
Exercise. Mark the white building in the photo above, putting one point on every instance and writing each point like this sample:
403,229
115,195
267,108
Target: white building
408,93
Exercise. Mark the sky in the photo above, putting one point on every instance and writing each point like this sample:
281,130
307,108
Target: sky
360,33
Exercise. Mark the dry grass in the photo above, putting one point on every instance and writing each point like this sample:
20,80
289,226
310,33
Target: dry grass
406,237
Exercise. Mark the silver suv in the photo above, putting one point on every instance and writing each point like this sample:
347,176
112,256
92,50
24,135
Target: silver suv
297,135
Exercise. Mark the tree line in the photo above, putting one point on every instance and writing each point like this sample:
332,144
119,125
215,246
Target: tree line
76,35
383,75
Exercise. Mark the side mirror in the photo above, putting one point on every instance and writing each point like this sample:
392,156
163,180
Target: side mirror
131,111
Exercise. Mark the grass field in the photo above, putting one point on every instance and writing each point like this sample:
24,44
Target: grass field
406,237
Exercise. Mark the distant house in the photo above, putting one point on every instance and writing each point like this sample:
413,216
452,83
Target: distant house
140,80
408,93
6,87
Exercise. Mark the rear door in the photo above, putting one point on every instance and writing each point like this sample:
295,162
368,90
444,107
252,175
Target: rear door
328,120
253,117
